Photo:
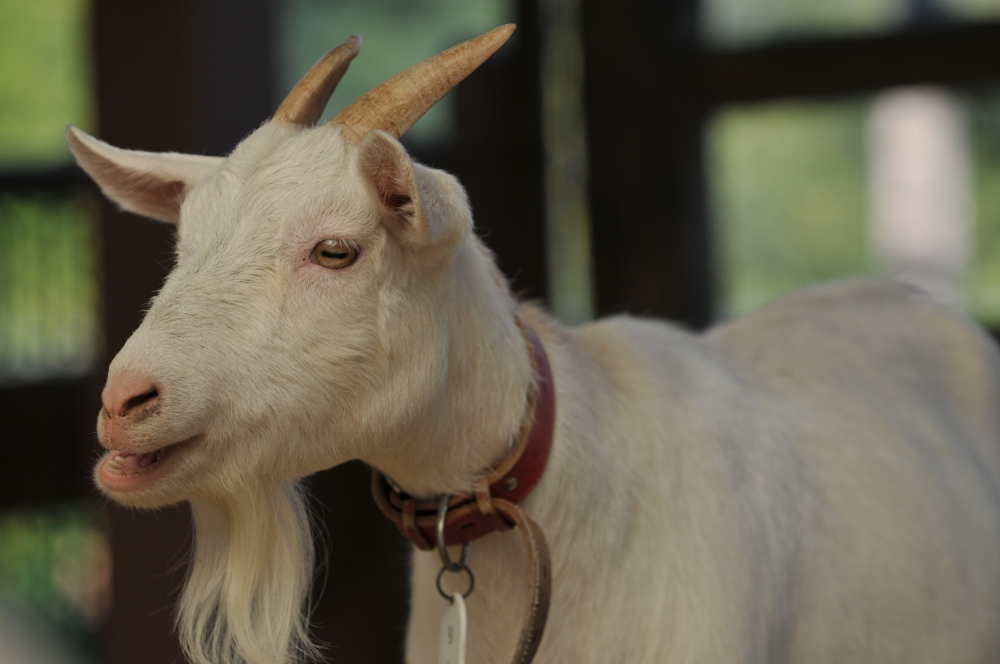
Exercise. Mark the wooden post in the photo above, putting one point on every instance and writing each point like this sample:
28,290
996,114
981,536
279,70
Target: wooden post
187,76
651,244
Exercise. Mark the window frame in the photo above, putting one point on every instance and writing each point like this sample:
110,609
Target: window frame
652,83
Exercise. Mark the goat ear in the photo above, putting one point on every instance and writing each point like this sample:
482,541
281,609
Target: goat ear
152,184
416,199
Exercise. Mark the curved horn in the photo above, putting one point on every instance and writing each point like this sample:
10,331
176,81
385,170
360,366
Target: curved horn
305,103
399,102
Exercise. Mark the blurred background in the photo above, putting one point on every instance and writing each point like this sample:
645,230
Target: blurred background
689,159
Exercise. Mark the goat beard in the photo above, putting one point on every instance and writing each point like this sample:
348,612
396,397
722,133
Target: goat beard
246,596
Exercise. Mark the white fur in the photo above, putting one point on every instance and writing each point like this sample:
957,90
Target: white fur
816,482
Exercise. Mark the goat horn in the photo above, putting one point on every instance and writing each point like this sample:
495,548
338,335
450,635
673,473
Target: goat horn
305,103
394,106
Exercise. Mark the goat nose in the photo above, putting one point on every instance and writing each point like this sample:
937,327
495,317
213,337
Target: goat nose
126,395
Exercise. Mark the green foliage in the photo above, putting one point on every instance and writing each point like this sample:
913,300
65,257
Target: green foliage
55,567
45,81
734,22
396,34
48,293
972,9
984,282
788,198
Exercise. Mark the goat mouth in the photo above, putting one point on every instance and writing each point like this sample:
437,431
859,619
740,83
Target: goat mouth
128,464
121,470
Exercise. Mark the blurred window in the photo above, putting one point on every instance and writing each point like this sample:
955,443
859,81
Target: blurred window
48,286
787,196
741,22
906,181
45,81
396,34
55,580
734,22
971,9
48,293
983,285
54,561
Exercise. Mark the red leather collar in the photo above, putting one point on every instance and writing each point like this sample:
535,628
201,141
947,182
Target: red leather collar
472,515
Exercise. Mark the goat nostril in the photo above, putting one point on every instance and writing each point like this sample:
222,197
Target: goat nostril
139,400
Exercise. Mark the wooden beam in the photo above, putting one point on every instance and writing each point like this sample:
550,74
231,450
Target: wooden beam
48,180
48,442
963,54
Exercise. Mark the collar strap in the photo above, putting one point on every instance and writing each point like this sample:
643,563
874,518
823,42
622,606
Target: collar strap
473,515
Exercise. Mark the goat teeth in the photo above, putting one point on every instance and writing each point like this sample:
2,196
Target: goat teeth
129,464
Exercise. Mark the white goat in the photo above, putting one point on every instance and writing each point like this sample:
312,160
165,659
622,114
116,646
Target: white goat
816,482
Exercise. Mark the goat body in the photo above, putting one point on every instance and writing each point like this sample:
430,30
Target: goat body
816,482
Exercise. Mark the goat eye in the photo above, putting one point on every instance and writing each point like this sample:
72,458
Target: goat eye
334,254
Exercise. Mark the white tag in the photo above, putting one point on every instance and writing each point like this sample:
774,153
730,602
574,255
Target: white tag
453,629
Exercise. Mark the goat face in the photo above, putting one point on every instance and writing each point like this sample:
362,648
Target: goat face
264,356
257,338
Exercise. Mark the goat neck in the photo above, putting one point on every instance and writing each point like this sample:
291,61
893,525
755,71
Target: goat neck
477,409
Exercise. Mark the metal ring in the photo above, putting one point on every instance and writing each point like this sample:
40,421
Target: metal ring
465,595
449,565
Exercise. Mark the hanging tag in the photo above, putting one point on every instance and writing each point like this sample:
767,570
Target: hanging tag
453,632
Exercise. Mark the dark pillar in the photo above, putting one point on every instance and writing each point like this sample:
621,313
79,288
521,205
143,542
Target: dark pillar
186,76
46,451
498,155
363,586
651,244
